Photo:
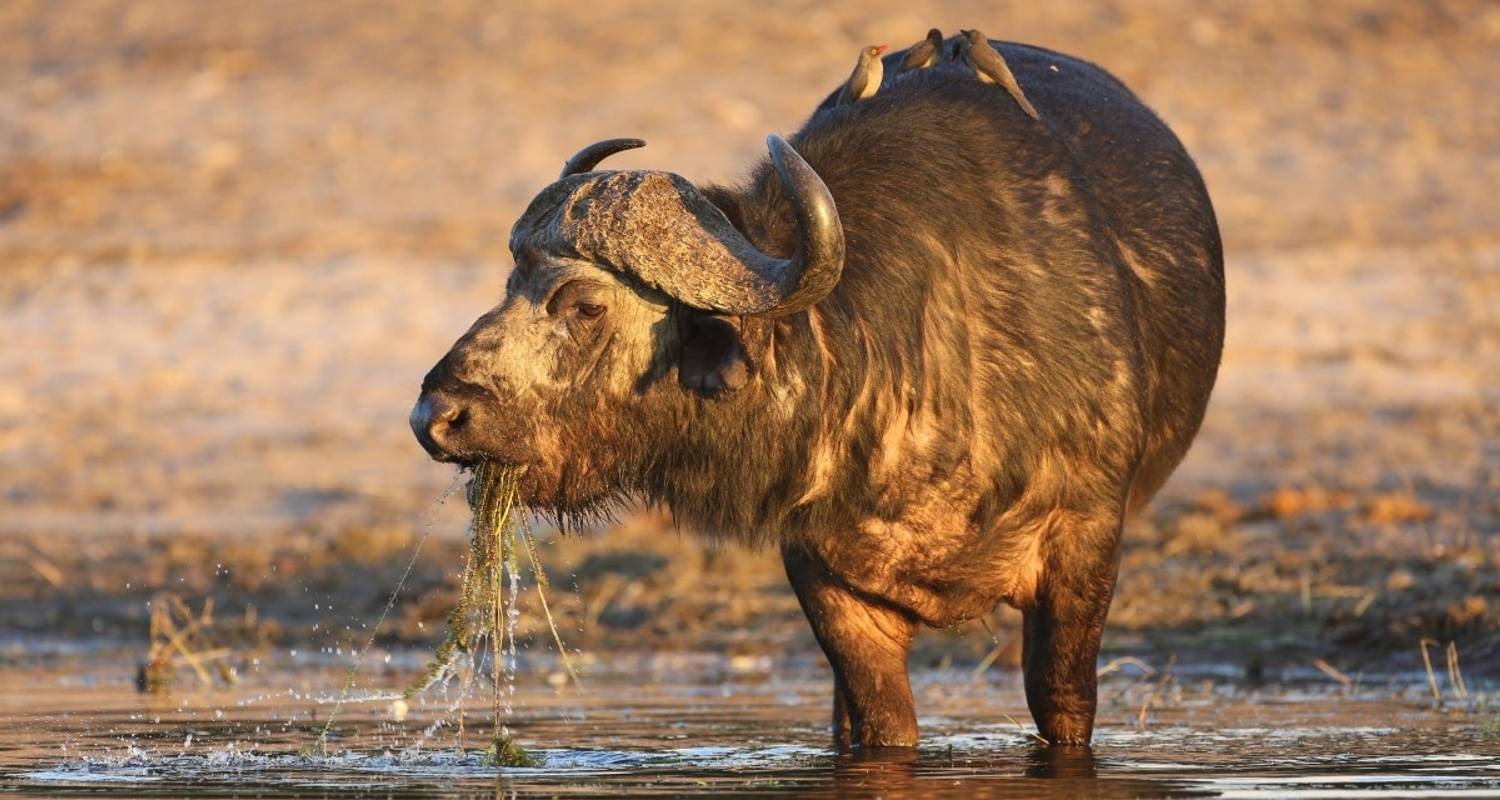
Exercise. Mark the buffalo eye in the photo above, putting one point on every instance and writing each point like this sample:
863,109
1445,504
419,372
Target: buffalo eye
576,298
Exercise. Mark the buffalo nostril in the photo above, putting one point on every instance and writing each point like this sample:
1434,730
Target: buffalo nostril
443,412
434,420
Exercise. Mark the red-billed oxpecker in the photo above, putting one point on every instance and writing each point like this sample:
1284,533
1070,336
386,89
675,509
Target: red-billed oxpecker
989,66
924,54
868,72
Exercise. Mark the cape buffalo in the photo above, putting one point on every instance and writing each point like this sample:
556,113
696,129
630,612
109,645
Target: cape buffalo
933,350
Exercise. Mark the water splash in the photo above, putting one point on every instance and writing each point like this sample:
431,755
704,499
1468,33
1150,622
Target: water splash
426,522
512,618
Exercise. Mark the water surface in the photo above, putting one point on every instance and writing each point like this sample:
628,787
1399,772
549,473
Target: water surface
705,725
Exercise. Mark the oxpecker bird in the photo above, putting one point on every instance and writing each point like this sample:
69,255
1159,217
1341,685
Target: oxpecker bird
926,53
868,72
989,66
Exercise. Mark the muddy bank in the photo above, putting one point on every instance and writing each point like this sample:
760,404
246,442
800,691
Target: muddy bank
1356,580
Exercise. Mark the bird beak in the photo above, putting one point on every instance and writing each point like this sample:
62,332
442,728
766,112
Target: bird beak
881,48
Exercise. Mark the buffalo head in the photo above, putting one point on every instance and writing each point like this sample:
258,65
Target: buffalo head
621,279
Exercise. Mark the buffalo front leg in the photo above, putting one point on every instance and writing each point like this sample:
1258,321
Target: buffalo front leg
867,644
1060,637
842,736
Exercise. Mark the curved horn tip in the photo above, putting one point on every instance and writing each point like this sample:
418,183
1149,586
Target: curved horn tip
785,158
589,157
776,143
818,262
793,169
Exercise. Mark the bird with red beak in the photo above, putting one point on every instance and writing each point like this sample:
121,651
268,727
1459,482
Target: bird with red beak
868,72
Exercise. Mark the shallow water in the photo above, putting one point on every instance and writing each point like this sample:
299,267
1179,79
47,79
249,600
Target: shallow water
706,725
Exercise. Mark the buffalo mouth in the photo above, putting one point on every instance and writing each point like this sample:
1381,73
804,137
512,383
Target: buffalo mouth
495,467
453,432
470,460
466,460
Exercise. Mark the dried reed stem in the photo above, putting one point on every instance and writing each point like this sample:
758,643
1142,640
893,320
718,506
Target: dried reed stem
1437,694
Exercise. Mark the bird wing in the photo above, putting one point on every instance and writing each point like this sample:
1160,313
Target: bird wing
856,84
919,56
993,64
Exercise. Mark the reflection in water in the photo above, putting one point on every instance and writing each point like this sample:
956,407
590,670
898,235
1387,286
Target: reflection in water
1060,762
1025,771
877,770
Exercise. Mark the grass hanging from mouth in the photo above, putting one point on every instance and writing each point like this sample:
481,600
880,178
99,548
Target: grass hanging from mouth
486,609
541,592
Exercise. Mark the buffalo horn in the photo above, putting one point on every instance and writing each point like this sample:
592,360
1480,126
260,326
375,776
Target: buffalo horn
589,157
661,229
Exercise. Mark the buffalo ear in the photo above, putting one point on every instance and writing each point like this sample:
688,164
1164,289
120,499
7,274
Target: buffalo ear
713,359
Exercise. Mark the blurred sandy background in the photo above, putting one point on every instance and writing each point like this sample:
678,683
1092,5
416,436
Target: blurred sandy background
233,237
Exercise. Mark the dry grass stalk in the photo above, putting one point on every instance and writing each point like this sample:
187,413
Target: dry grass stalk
1437,694
1144,715
1115,664
1029,732
1333,672
180,636
988,661
48,571
1158,688
1456,682
1456,674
